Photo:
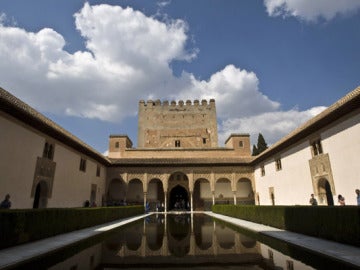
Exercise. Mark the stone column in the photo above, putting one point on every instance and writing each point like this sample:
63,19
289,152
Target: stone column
143,246
191,201
165,198
212,186
215,241
145,201
234,197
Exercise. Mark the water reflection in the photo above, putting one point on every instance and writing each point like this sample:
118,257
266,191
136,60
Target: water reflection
180,240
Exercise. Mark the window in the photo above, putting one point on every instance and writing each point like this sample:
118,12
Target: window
48,151
241,144
289,265
177,143
98,171
82,165
204,140
271,255
272,195
278,164
262,170
92,260
316,147
117,145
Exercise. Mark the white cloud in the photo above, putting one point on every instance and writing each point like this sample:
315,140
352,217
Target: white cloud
2,17
163,4
235,92
127,58
273,125
311,10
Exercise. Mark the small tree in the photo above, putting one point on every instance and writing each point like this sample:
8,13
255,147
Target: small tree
261,145
255,151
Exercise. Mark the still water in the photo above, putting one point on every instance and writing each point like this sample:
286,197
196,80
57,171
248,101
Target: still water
183,241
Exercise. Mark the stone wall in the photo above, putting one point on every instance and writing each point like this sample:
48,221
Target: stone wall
167,125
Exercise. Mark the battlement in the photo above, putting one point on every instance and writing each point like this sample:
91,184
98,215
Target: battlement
173,104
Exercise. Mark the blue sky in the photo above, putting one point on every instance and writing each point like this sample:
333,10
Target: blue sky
270,65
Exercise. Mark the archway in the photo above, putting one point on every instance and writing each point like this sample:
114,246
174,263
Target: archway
116,194
247,242
179,231
202,195
155,231
41,194
203,231
324,189
135,194
223,193
155,194
133,236
244,192
179,198
225,236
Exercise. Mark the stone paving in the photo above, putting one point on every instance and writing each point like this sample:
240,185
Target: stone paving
341,252
10,257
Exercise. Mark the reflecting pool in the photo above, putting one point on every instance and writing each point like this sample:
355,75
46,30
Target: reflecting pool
182,241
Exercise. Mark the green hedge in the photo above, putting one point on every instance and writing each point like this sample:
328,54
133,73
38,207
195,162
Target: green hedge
25,225
341,224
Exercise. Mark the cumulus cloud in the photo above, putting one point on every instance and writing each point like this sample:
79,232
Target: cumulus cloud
235,91
273,125
127,57
311,10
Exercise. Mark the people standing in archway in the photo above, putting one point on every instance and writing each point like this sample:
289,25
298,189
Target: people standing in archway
357,191
6,203
313,201
341,200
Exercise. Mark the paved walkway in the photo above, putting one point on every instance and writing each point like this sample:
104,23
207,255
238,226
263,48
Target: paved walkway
341,252
11,257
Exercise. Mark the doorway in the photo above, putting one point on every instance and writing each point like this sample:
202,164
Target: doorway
325,191
41,194
179,199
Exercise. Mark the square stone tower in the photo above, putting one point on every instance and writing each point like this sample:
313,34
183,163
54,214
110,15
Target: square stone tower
171,125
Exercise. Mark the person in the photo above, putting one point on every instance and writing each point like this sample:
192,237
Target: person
157,207
6,204
341,200
357,191
313,201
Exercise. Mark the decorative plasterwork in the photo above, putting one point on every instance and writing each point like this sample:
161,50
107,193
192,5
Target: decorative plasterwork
320,168
44,171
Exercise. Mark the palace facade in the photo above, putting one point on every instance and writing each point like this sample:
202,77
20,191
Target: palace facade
178,164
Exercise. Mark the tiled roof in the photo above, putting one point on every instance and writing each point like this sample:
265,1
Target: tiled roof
181,161
23,112
343,106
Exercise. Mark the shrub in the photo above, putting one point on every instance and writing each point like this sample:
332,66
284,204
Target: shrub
339,224
21,226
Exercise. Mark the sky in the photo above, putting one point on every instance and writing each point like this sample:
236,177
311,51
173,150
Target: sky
270,65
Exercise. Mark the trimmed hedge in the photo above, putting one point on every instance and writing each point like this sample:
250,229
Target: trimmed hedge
25,225
341,224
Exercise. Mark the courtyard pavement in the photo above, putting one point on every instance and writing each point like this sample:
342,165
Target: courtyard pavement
338,251
13,256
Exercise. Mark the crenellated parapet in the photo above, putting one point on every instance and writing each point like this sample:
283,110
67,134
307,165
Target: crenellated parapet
158,104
